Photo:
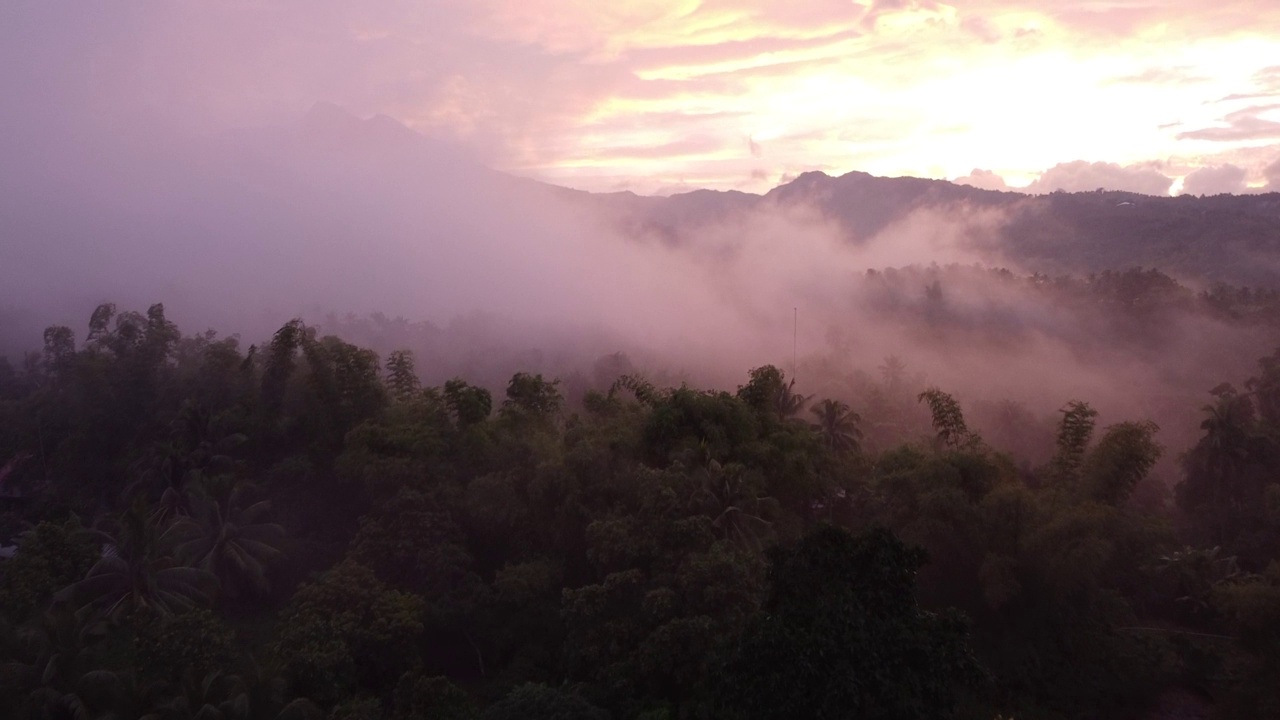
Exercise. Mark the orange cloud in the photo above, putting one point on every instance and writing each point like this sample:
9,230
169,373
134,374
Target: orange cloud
662,91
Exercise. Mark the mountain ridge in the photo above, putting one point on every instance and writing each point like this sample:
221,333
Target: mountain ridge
1212,239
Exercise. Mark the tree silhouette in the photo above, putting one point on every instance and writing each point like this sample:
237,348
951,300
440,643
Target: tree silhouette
50,669
402,378
892,371
138,571
788,403
195,448
841,636
736,508
838,425
231,541
1074,432
948,420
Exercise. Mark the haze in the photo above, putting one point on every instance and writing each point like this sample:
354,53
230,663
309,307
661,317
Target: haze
245,164
659,360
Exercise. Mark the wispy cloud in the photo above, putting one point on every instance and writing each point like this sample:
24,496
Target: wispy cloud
1261,122
559,88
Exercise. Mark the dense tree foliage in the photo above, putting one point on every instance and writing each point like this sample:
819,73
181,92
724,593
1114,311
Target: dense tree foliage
297,531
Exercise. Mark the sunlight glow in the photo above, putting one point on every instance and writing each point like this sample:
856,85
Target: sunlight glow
747,93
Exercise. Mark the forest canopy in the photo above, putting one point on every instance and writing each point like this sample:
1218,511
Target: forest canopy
305,528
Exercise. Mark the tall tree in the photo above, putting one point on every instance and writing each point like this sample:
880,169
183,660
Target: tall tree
839,426
402,378
138,571
529,397
231,540
948,420
1122,458
1074,432
789,403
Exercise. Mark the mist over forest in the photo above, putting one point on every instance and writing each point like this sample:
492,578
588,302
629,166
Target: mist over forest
365,228
315,413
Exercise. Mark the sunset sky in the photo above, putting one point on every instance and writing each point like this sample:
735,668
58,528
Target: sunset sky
669,95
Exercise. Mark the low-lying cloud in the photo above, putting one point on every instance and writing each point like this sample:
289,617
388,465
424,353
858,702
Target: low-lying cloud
1082,176
333,215
1272,175
1215,180
984,179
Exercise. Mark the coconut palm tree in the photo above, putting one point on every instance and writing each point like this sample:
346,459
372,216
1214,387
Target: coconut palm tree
838,425
196,448
893,371
789,403
737,511
230,541
1219,482
1228,425
138,570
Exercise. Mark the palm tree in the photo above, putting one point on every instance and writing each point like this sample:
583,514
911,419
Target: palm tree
838,425
196,448
1218,466
789,403
893,371
138,570
1227,431
736,510
233,543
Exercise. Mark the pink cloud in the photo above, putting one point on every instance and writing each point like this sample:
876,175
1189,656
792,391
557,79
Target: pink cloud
1272,174
984,179
1215,180
1244,124
1081,176
534,86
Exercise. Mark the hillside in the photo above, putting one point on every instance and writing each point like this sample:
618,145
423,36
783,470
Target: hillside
1226,238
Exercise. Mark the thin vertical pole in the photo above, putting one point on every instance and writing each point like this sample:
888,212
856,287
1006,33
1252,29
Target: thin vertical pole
795,331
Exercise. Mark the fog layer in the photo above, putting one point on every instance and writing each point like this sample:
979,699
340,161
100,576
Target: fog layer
332,216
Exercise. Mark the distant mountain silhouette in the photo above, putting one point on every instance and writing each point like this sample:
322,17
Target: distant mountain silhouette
1224,238
336,211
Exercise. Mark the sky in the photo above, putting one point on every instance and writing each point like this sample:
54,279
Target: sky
189,152
660,96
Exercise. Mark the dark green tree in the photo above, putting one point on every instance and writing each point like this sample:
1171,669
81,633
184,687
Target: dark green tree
948,420
231,539
49,557
1075,430
138,571
529,397
402,378
540,702
467,403
347,631
840,636
838,425
1120,460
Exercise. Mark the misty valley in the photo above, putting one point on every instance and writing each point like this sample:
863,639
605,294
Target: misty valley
328,420
1058,497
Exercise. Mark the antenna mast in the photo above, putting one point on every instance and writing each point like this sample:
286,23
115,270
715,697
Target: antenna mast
795,331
